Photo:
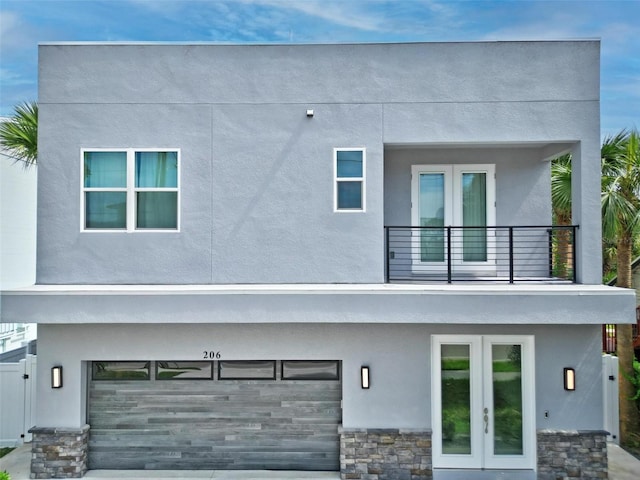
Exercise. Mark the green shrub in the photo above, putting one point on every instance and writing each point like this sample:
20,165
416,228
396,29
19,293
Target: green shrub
5,476
635,381
634,378
448,426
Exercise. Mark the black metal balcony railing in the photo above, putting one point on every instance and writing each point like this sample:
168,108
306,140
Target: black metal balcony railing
545,254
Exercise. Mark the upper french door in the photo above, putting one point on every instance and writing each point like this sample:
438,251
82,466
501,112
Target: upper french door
457,196
483,402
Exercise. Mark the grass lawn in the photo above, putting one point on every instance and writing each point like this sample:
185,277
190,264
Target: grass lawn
5,450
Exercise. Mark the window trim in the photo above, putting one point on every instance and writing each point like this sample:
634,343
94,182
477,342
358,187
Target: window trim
453,188
271,377
285,378
130,191
159,378
361,179
147,363
453,213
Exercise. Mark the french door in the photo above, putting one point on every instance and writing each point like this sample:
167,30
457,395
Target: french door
457,196
483,404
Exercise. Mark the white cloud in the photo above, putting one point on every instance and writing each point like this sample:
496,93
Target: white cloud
626,86
346,14
11,30
11,77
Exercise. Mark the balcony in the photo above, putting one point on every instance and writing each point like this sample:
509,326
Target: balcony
511,254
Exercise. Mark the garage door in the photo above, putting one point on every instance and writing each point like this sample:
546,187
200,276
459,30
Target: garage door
254,415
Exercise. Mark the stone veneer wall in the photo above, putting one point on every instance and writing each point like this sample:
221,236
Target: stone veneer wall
59,452
567,454
385,454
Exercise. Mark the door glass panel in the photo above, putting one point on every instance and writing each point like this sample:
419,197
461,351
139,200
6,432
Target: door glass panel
431,215
170,370
120,370
247,370
456,399
310,370
474,213
507,399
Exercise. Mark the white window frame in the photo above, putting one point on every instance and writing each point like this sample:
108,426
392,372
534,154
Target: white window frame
130,190
481,395
453,213
361,179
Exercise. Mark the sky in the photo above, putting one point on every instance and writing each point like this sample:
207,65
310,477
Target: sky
25,23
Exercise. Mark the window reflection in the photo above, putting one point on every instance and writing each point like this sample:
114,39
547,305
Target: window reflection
310,370
247,370
169,370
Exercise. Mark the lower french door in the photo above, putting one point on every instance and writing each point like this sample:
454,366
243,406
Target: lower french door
483,402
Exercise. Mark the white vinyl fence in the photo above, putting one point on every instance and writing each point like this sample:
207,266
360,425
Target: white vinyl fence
610,391
17,401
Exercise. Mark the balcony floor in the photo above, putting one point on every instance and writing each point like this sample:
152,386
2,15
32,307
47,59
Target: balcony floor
481,280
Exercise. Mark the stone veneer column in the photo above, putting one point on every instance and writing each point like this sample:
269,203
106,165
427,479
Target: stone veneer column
385,454
567,454
59,452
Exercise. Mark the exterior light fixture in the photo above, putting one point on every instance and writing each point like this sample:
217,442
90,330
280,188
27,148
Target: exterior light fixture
56,376
569,379
364,377
309,112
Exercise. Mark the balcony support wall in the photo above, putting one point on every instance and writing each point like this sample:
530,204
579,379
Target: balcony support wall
585,200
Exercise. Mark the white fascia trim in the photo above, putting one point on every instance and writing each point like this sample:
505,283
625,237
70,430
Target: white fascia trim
289,44
322,289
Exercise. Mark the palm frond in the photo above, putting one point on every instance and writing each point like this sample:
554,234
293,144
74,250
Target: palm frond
19,134
613,146
561,186
618,212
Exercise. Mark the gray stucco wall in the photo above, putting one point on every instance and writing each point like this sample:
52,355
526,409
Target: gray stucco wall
399,357
523,186
357,73
257,174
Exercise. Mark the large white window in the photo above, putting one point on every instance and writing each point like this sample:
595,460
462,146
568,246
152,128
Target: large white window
130,189
349,175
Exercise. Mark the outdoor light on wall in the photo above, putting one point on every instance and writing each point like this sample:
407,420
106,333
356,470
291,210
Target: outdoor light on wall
309,112
364,377
56,376
569,379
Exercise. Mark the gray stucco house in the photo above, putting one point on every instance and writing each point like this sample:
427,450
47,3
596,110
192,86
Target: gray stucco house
322,257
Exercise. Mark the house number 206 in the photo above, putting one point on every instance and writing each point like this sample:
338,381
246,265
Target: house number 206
210,354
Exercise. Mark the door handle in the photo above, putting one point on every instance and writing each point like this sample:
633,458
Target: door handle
486,420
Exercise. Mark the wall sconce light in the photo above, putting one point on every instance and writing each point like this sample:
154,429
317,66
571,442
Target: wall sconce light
309,112
569,379
364,377
56,376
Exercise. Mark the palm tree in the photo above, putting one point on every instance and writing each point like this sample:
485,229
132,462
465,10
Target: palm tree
561,202
19,134
620,220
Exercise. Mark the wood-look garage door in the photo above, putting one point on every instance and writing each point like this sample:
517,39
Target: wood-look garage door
219,424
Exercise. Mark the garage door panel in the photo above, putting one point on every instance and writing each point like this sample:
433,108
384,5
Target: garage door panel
214,424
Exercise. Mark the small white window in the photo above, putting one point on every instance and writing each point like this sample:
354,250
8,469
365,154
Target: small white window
349,173
130,189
